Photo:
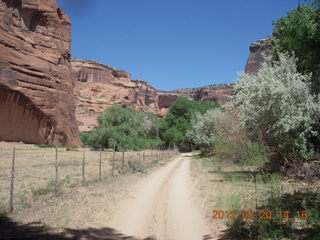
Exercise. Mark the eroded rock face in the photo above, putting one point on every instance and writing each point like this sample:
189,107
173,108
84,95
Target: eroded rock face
257,50
98,87
216,93
36,87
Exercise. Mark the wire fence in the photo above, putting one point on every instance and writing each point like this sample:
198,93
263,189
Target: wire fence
28,173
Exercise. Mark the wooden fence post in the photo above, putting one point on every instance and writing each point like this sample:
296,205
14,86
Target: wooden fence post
56,177
113,159
152,153
83,165
10,207
100,177
123,158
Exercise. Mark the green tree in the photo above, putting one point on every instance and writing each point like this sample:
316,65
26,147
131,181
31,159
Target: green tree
178,120
125,128
299,32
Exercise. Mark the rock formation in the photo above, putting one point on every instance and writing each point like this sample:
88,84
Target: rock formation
45,95
36,87
99,86
257,50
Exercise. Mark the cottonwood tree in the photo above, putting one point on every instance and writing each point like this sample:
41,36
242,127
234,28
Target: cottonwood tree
299,32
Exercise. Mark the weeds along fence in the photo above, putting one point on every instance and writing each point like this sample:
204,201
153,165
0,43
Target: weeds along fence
29,173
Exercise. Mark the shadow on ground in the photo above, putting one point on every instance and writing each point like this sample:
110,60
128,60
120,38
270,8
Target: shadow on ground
291,228
10,229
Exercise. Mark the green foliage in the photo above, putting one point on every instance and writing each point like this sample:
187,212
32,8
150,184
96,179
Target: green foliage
178,120
277,107
123,127
84,137
246,153
219,133
226,150
214,124
254,154
299,32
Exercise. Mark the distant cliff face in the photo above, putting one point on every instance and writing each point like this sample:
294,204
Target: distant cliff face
98,87
36,88
257,50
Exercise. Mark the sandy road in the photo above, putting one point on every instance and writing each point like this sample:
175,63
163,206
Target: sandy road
162,206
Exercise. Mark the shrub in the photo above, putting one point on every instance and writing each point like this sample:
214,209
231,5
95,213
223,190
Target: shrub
224,150
254,154
213,125
276,107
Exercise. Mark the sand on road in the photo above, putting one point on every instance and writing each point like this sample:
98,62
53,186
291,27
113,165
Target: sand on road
162,206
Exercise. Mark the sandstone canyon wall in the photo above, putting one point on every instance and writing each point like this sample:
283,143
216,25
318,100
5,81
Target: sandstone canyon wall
36,87
257,50
98,87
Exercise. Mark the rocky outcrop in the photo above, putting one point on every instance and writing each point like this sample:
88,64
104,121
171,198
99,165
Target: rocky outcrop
257,50
98,87
216,93
36,87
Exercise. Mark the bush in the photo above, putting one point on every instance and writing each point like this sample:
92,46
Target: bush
254,154
276,107
213,125
224,150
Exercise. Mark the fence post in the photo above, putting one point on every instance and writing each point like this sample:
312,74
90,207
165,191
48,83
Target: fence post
10,207
255,189
56,180
123,158
113,159
83,165
100,177
143,158
152,153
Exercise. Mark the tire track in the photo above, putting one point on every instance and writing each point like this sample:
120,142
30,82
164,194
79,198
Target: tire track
162,206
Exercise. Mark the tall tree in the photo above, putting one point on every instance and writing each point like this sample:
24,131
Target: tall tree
299,32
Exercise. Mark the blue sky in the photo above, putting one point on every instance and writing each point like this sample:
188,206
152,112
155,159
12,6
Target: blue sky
172,43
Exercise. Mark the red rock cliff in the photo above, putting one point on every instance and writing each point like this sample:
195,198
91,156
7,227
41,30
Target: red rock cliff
99,86
36,88
257,50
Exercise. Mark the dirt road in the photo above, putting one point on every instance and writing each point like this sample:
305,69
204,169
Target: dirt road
163,206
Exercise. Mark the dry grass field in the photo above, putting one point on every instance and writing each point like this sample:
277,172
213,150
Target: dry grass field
35,171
